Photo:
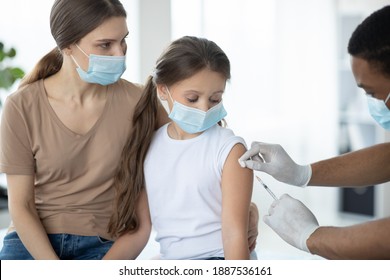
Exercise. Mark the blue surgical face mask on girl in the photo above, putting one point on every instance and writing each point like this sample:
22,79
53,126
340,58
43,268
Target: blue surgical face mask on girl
193,120
379,111
102,69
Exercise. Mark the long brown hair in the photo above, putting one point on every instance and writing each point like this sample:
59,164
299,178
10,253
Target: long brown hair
182,59
71,20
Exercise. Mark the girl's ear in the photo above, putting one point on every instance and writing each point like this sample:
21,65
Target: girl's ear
162,92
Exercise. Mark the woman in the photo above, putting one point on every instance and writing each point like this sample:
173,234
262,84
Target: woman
62,134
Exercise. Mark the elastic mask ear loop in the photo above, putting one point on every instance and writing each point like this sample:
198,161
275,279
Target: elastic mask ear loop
165,102
173,102
170,96
75,59
387,98
82,50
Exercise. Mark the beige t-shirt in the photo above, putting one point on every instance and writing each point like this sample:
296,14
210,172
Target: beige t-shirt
73,173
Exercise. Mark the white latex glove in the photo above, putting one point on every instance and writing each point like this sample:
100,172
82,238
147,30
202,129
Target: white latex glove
292,221
274,160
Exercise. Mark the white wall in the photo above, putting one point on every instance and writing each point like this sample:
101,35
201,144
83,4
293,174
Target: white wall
154,32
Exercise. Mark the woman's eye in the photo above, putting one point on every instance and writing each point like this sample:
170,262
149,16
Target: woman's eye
105,45
215,101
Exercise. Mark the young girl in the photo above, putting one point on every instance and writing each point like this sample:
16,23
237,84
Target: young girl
198,194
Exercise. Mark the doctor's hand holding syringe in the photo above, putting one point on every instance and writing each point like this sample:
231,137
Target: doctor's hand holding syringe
287,216
290,219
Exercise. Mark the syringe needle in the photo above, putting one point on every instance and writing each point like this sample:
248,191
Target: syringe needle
266,188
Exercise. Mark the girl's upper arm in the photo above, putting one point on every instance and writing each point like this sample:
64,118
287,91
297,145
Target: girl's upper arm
237,182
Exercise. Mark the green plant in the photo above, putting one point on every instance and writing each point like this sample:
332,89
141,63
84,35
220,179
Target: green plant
8,74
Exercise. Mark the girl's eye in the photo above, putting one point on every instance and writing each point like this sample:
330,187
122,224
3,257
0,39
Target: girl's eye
215,101
192,100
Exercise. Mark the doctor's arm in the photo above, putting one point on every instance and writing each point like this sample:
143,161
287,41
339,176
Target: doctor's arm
22,208
129,245
369,240
369,166
236,200
364,167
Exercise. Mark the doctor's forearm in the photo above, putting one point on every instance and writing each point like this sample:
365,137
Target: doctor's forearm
364,167
364,241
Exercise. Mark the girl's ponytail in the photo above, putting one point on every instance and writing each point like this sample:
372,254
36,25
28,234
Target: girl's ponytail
130,180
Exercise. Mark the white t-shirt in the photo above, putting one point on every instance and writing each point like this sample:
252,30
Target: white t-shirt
183,182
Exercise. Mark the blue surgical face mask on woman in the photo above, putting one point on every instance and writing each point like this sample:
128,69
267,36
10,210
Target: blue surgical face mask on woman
379,111
193,120
102,69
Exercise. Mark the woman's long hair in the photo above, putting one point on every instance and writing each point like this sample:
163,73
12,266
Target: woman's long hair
71,20
182,59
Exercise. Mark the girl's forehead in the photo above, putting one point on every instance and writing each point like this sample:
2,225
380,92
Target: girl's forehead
203,78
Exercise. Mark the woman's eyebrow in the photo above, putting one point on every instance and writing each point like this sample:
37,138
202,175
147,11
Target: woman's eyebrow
110,39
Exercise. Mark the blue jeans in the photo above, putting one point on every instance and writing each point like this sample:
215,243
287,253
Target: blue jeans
66,246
